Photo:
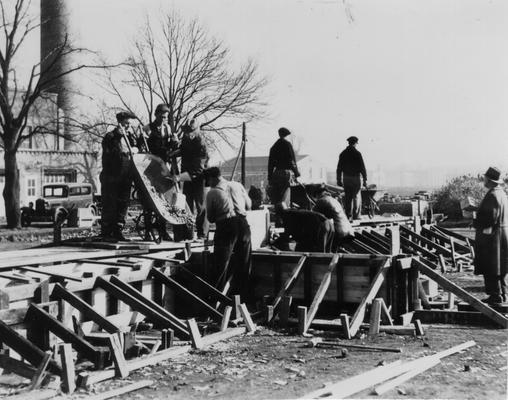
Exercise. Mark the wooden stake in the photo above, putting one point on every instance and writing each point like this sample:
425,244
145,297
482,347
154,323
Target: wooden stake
344,320
375,317
68,371
285,307
197,340
251,327
451,301
39,374
302,320
118,358
418,328
226,317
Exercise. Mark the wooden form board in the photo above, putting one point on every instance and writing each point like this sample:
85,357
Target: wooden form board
271,272
51,255
495,316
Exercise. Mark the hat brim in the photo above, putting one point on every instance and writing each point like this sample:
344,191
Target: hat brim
493,180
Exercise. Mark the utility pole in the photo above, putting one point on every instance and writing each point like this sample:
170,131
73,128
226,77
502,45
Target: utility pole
244,141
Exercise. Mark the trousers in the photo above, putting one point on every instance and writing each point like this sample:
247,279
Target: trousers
115,192
496,285
353,198
194,192
232,251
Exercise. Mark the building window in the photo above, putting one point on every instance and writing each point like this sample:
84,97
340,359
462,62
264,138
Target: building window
31,187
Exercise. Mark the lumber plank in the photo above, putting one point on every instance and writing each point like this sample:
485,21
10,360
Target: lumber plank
302,319
44,271
372,292
35,314
69,373
42,394
59,292
446,284
122,390
435,246
212,291
320,293
344,320
168,281
177,323
288,285
133,302
391,384
355,384
285,307
25,348
11,365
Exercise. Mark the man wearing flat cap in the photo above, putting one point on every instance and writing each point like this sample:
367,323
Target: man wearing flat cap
491,240
350,172
282,169
116,175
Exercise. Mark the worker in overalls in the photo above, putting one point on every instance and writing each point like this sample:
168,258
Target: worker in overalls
116,175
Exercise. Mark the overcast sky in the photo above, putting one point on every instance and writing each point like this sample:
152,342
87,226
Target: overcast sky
423,84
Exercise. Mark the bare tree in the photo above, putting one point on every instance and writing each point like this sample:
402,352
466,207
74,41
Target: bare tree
19,94
177,62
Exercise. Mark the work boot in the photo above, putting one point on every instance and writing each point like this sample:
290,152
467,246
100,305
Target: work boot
118,235
493,299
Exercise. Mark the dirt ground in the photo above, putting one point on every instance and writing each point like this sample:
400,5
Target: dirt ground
275,364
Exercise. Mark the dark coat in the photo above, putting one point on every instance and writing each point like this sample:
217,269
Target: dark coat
282,157
351,163
491,241
115,155
194,155
160,141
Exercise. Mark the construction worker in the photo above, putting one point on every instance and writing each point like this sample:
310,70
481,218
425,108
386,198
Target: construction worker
116,175
332,209
194,161
311,230
226,206
350,173
282,169
161,142
491,240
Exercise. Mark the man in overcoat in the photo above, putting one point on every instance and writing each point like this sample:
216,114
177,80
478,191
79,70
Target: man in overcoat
282,169
491,241
116,175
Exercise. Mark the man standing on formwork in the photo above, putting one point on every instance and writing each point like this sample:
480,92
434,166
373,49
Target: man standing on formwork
350,172
227,203
282,169
116,175
194,161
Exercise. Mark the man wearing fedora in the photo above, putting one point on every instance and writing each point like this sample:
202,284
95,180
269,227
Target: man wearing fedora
350,173
282,168
491,240
116,175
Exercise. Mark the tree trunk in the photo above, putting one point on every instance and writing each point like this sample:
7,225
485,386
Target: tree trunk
11,189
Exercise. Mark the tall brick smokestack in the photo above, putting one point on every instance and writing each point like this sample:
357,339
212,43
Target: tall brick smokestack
55,30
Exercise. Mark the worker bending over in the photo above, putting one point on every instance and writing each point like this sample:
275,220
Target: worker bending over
226,206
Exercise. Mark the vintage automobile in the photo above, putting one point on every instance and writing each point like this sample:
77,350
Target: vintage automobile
59,202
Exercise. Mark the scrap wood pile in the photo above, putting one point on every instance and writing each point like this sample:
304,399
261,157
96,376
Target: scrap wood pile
70,325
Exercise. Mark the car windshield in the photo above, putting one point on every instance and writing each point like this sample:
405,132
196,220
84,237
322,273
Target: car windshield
55,191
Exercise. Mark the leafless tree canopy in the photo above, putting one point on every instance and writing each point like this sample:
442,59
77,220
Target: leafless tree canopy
177,62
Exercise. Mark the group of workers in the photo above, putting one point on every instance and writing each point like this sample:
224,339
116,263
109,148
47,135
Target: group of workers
321,228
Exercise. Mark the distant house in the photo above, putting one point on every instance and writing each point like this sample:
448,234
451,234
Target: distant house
256,170
42,159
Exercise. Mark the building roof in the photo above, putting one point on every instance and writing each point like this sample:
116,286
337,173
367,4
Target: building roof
254,162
